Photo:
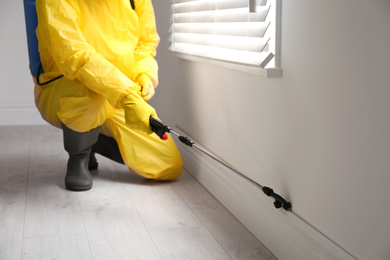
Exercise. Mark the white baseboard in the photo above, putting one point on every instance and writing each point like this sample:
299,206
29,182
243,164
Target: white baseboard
20,115
282,232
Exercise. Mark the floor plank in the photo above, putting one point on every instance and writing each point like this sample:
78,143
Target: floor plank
107,187
14,153
56,247
188,243
115,231
12,206
227,230
163,208
233,237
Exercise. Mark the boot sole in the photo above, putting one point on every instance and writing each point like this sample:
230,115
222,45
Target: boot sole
77,188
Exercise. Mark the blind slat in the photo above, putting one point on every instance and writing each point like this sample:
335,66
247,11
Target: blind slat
228,4
253,58
232,42
229,15
253,29
181,1
196,6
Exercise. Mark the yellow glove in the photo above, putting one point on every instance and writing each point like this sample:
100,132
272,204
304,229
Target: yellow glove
137,112
138,88
147,88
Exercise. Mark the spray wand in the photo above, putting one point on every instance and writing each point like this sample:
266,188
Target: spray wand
161,129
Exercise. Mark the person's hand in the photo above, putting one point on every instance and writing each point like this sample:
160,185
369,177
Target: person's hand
138,88
147,88
137,112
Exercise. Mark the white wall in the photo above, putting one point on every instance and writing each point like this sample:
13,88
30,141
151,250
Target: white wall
16,99
320,134
164,97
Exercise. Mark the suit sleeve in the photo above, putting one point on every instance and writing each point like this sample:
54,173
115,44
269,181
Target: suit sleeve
74,57
148,42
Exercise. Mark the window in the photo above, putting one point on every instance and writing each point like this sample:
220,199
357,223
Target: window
241,32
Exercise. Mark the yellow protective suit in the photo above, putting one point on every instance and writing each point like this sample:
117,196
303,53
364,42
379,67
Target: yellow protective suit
102,48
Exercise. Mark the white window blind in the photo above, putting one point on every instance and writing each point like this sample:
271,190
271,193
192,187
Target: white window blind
239,31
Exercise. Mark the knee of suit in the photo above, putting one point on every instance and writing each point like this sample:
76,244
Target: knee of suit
82,113
71,103
170,170
171,173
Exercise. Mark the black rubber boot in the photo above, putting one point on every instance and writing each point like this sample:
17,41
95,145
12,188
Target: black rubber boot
106,146
78,145
93,163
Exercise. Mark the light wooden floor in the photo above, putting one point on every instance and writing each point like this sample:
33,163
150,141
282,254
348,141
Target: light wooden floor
122,217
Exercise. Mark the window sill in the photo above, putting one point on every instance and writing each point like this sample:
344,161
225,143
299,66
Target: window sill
266,72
